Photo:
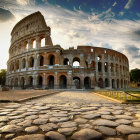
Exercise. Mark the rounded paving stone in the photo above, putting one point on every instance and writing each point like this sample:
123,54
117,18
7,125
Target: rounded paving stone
91,116
11,129
104,122
136,124
25,123
86,134
67,131
48,127
114,139
4,119
124,117
134,137
9,136
58,119
31,137
85,126
32,117
68,124
108,117
106,130
32,129
55,136
40,121
126,129
80,120
123,121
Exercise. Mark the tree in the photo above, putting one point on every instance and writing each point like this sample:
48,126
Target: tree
2,76
135,75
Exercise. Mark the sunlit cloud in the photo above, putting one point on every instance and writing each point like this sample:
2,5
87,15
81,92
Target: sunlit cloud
73,28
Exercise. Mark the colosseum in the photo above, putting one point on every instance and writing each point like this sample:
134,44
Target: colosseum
34,62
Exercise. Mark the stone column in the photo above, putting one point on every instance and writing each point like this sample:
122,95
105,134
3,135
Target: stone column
37,42
56,81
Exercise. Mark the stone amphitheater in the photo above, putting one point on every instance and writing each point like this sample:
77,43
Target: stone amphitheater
34,62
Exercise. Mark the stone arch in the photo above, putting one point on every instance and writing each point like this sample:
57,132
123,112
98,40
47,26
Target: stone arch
12,82
111,67
41,60
33,43
40,81
121,83
99,57
99,66
31,62
113,83
106,82
87,83
77,82
51,59
63,82
66,61
23,63
30,81
22,82
51,81
106,67
100,82
16,82
117,83
92,65
26,45
76,61
116,68
42,42
17,64
12,67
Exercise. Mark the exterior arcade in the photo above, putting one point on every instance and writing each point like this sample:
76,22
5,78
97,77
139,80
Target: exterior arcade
34,62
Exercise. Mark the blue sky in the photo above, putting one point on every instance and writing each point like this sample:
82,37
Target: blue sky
112,24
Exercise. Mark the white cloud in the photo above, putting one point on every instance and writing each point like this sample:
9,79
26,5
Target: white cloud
114,4
72,28
129,4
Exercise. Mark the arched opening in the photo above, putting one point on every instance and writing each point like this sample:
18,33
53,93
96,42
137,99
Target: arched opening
23,63
16,82
17,65
12,82
41,60
52,60
86,64
63,82
99,57
51,82
26,46
106,82
100,82
116,68
76,81
111,67
43,42
30,81
22,83
99,66
34,44
31,62
87,83
121,83
113,83
117,83
66,61
40,81
92,64
106,66
76,62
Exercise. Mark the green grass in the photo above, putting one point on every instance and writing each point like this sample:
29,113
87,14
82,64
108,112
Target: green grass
119,95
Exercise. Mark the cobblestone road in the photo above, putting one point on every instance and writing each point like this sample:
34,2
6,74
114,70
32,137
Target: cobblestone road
71,116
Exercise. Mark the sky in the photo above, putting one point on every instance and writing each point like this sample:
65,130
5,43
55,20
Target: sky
113,24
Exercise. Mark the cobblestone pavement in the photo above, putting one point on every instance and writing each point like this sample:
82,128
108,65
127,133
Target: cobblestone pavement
71,116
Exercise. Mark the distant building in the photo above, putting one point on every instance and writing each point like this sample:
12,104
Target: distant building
35,62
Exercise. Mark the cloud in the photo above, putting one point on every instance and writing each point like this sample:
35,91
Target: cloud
5,15
73,28
129,4
114,4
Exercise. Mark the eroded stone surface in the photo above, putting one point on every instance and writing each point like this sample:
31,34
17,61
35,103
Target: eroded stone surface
67,131
31,129
55,135
86,134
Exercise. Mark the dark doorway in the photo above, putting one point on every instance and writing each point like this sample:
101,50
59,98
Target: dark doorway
87,83
52,60
66,61
51,82
99,66
113,83
76,81
106,82
63,82
30,81
22,83
41,60
100,83
117,83
40,81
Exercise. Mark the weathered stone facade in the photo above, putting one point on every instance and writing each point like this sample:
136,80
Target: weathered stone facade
35,62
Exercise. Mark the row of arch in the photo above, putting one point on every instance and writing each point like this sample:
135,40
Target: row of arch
63,82
30,44
76,62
